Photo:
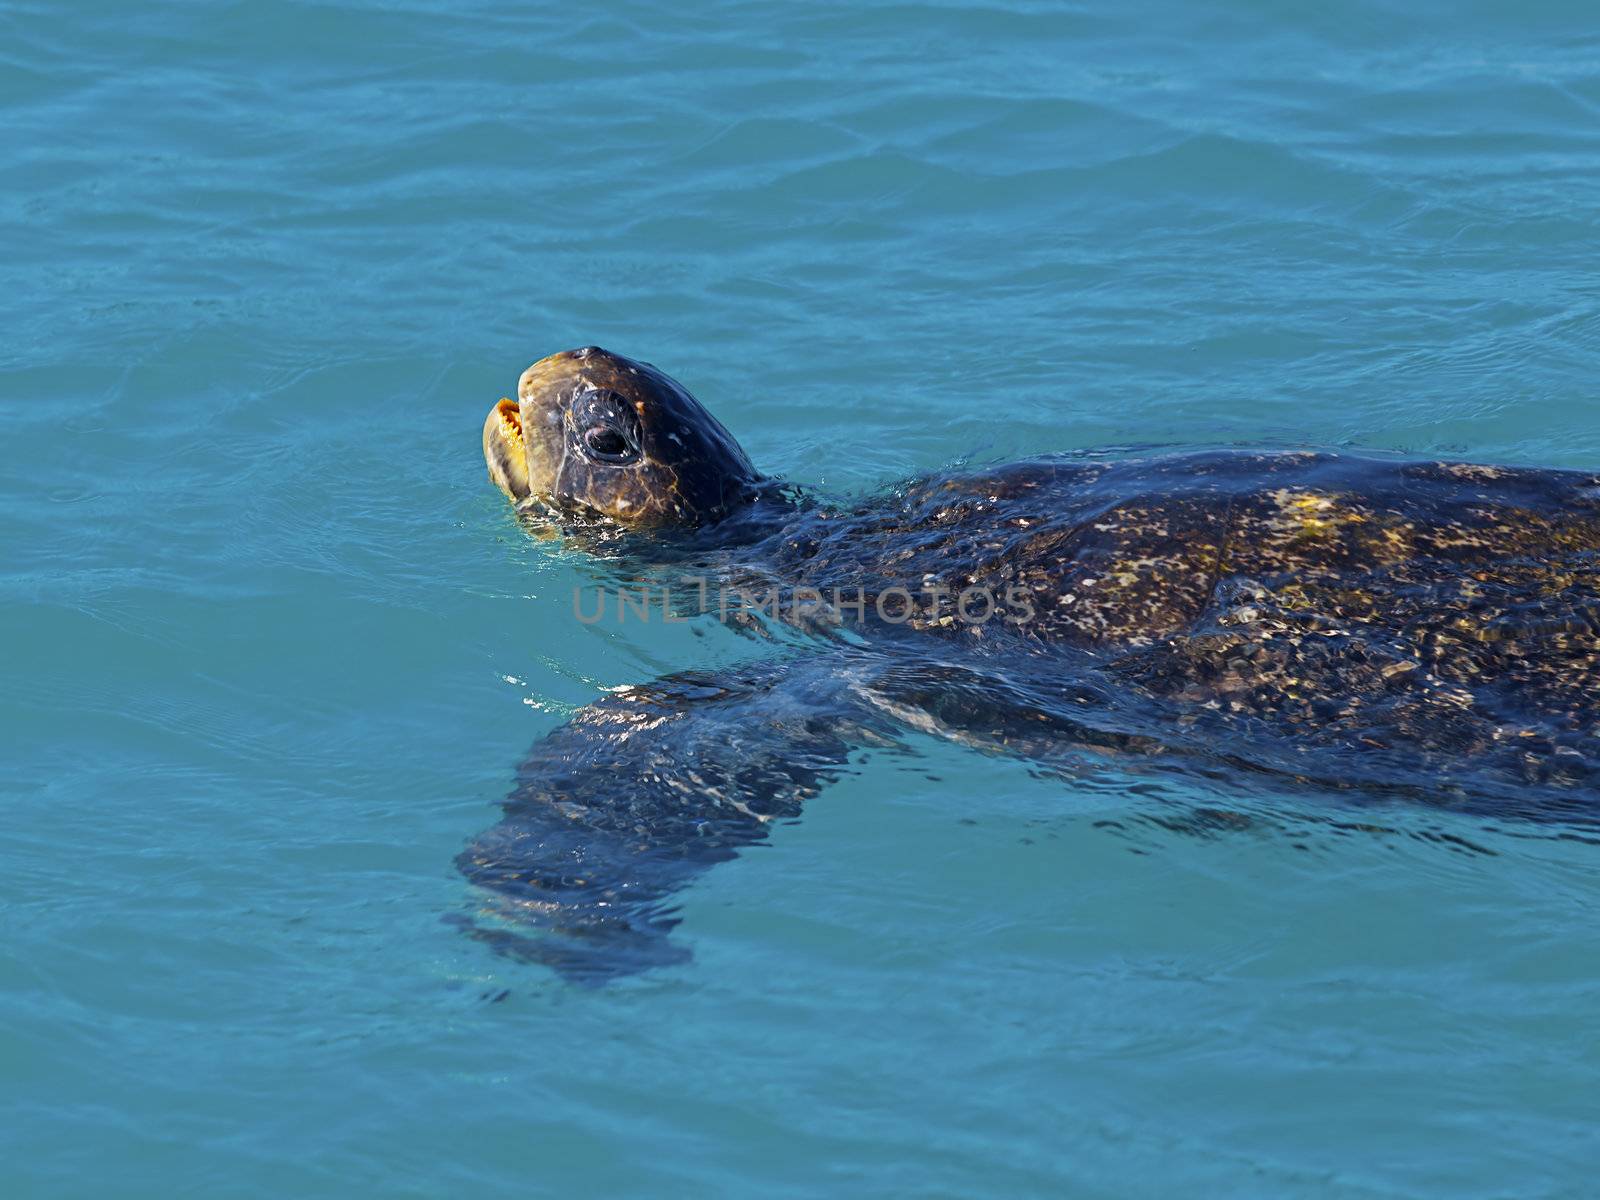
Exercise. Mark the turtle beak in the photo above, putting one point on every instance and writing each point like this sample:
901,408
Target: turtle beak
505,451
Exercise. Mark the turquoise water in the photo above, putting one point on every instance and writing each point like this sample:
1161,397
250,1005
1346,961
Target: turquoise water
273,647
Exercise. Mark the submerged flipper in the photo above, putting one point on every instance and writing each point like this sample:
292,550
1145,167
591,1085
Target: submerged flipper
624,806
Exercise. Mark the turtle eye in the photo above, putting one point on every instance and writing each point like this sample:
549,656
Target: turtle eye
604,427
607,444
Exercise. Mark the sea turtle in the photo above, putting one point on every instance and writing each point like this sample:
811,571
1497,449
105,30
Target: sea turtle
1372,624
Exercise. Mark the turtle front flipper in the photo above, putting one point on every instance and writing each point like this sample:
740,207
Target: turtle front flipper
618,810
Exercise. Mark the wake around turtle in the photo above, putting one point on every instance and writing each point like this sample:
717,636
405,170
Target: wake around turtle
1383,627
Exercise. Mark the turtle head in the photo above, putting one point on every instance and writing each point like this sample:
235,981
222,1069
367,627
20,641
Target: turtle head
592,432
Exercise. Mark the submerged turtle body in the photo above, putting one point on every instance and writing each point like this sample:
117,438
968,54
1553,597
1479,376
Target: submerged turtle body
1422,608
1384,625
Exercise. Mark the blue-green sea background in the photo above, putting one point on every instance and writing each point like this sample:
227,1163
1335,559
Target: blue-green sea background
272,646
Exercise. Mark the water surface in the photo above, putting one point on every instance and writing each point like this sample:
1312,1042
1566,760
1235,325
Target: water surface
272,647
